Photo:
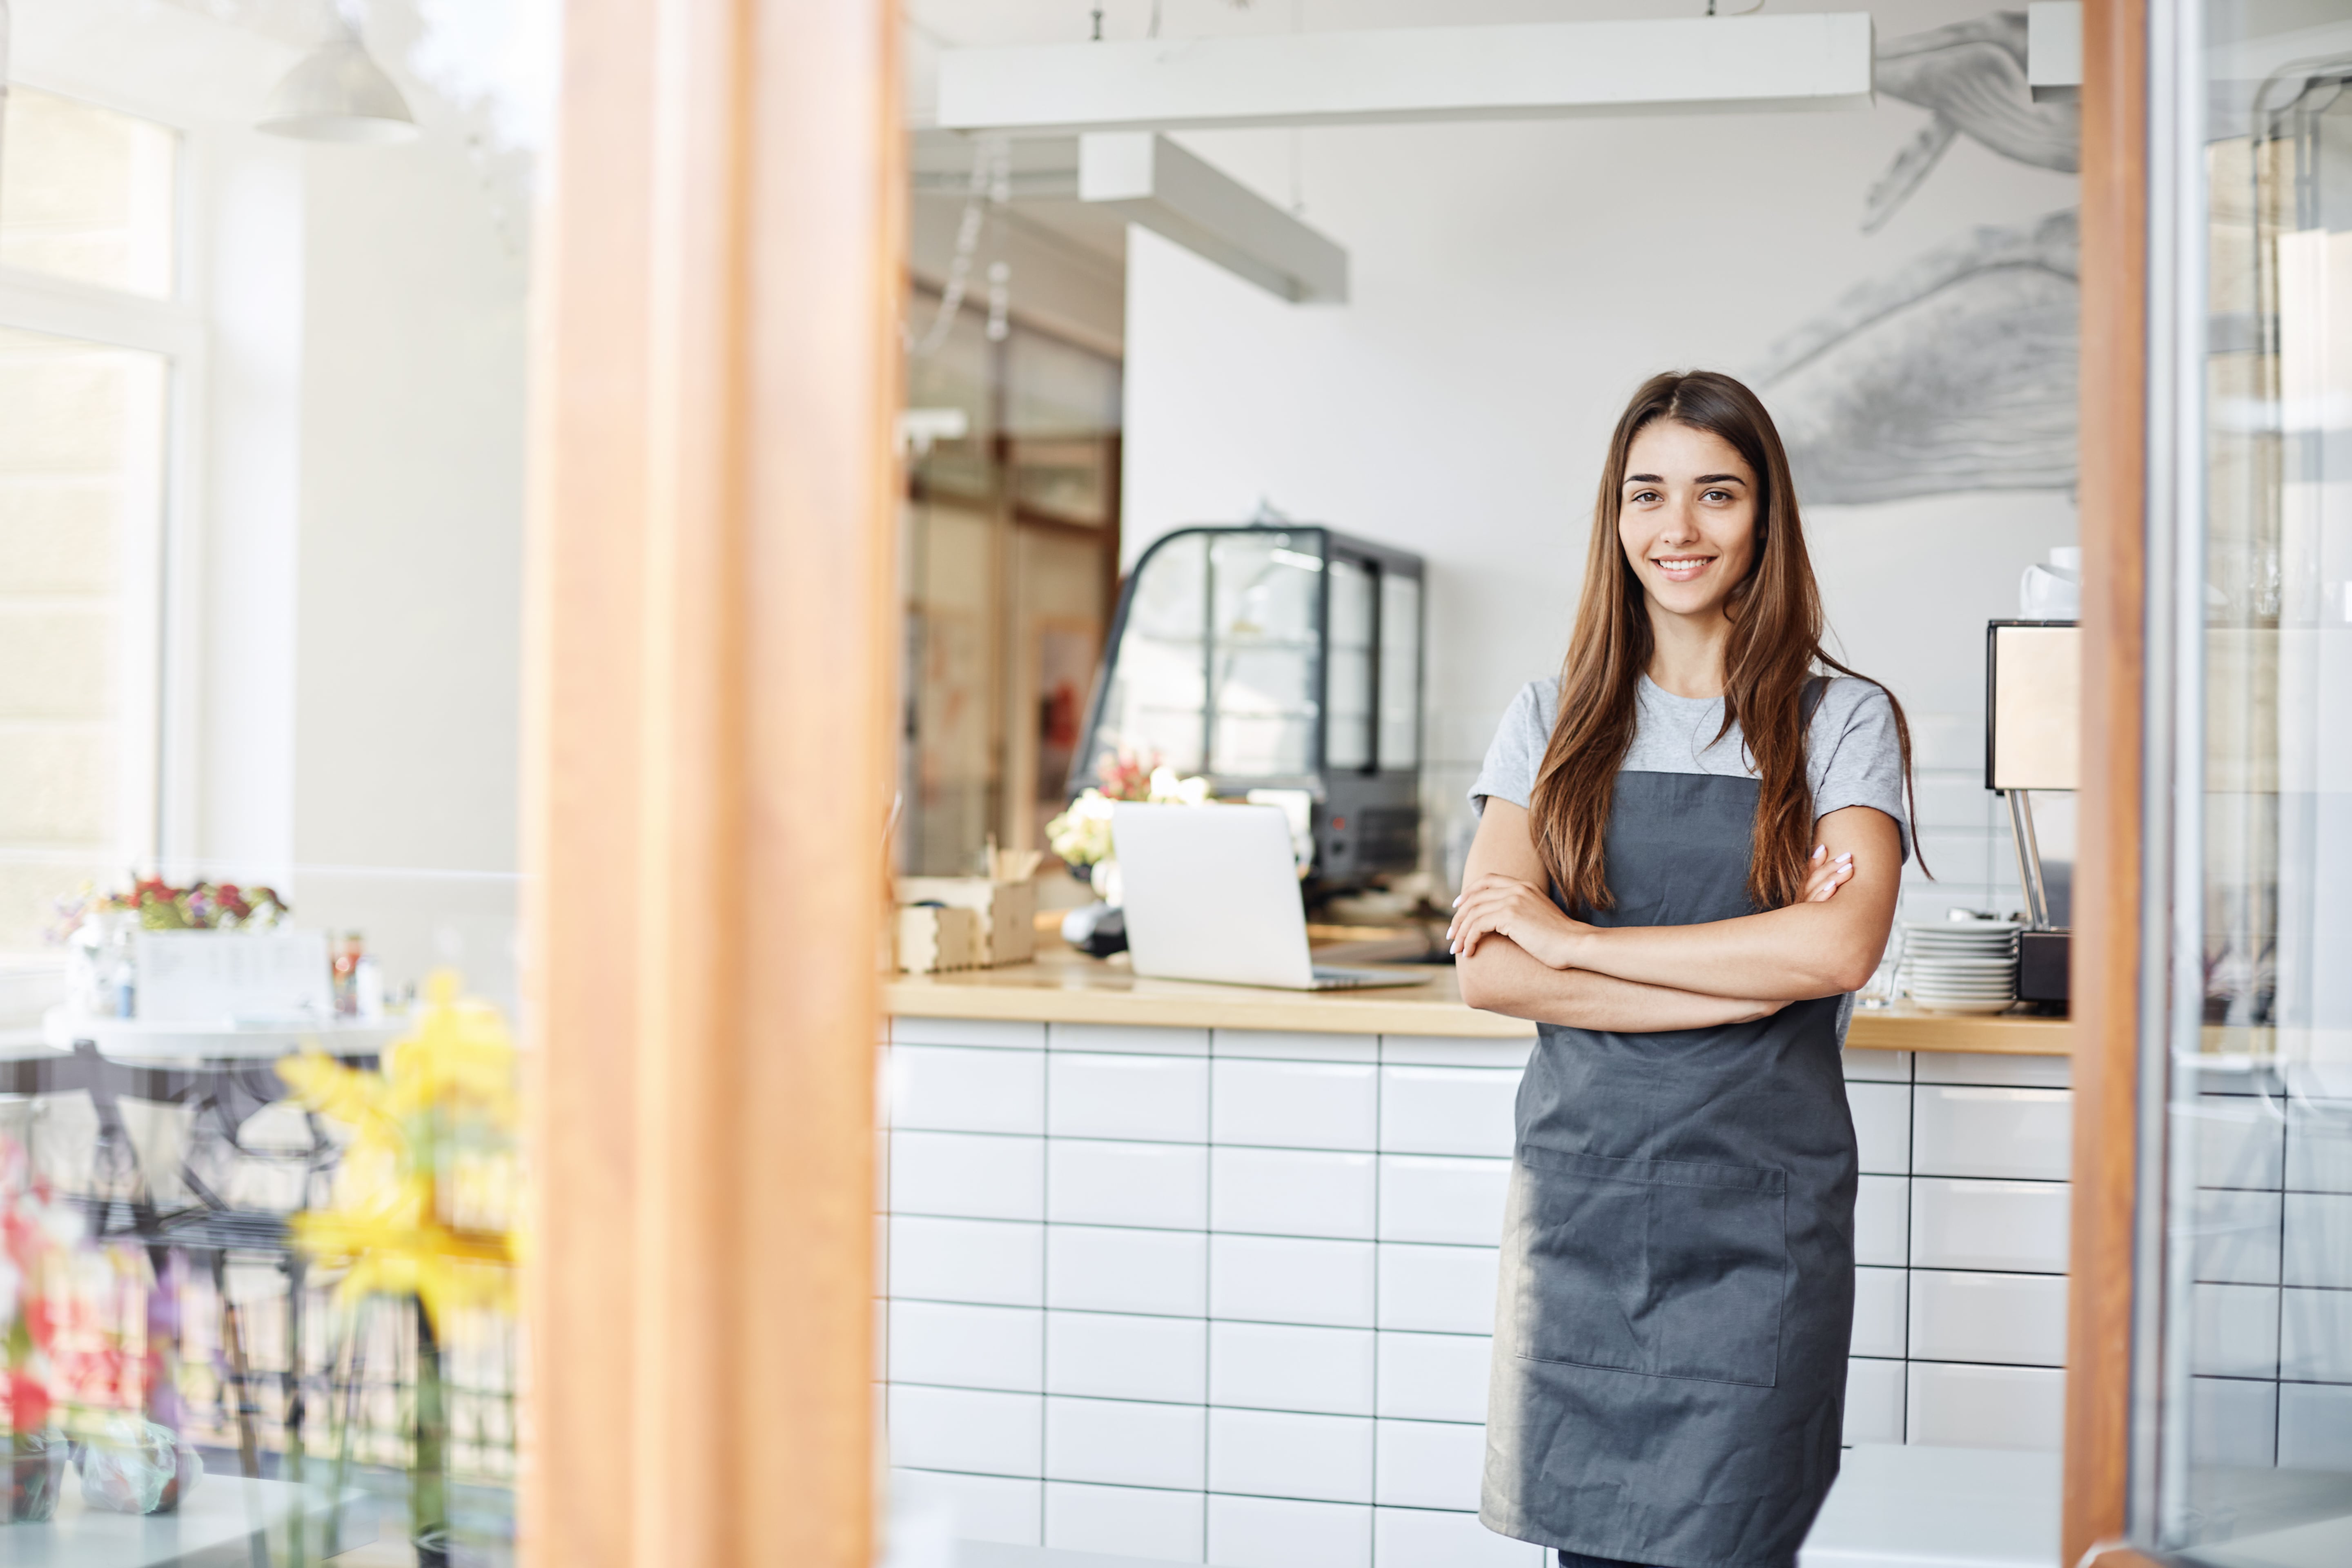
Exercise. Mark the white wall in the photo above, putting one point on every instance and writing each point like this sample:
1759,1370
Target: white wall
411,541
1512,284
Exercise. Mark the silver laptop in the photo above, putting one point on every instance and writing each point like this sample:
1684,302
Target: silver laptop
1211,893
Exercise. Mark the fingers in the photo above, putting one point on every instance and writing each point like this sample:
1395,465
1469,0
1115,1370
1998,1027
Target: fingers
1486,881
1468,927
1827,877
1480,910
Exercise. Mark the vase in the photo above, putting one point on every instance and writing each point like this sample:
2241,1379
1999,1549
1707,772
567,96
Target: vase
36,1469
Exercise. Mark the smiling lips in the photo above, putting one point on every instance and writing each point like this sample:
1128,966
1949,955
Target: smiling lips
1682,568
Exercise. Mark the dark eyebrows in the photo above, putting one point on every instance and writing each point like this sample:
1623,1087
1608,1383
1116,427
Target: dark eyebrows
1644,479
1702,479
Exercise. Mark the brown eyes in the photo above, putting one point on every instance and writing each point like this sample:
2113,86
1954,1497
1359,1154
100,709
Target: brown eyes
1713,495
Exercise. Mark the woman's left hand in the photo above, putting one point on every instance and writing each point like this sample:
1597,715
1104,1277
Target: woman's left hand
1520,910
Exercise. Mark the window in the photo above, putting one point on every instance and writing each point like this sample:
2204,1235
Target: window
87,198
88,194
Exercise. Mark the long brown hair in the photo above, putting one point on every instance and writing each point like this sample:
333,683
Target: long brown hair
1776,643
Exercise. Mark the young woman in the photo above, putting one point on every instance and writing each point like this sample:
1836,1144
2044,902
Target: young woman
1687,856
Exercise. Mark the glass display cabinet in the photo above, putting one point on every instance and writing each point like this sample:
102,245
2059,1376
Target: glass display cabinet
1276,660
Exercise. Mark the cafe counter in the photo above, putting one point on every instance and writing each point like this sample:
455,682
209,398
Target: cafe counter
1182,1267
1065,987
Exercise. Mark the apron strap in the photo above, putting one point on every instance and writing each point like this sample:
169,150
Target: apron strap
1816,688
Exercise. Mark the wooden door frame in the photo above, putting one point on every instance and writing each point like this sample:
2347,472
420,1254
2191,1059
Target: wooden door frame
711,689
2111,884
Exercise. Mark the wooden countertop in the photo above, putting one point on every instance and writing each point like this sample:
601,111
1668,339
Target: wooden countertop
1066,987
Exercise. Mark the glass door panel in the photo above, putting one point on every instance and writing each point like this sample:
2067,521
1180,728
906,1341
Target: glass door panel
1158,692
1399,672
1350,691
2253,1465
1263,677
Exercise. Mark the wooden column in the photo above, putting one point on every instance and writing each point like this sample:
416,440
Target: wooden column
583,712
711,690
2108,882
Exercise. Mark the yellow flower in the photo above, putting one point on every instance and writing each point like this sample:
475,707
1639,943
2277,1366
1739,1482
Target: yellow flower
429,1181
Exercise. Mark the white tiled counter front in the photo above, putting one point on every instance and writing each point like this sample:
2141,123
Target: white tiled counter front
1203,1295
1225,1295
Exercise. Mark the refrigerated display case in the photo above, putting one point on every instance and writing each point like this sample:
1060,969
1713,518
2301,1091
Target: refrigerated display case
1276,660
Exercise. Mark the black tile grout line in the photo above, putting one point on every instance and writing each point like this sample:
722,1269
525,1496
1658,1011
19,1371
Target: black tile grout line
1184,1491
1044,1261
1190,1318
1379,1129
1284,1148
1209,1289
1197,1230
2278,1328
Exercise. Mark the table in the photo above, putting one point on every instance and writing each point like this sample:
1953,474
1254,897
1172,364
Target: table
212,1525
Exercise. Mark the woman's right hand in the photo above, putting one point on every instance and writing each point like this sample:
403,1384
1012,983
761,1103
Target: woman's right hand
1824,877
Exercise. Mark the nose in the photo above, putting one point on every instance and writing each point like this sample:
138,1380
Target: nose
1680,525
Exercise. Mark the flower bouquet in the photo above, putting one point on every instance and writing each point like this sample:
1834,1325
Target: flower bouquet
426,1200
96,930
1081,835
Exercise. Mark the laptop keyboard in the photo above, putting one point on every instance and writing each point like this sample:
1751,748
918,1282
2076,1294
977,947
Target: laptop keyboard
1332,979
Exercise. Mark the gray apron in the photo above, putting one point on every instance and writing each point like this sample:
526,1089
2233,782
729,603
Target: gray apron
1677,1275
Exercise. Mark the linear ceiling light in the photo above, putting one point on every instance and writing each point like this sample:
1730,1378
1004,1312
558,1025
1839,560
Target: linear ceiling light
1155,184
1740,64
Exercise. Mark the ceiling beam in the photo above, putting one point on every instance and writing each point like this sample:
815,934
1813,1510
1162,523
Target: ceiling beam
1740,64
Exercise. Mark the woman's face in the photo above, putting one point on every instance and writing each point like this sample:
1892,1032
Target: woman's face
1686,518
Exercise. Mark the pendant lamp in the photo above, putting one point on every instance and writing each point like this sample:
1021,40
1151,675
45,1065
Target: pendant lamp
337,93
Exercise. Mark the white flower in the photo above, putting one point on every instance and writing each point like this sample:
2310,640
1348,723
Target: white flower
1166,789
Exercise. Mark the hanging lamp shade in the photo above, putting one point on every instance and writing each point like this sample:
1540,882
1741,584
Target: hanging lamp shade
337,93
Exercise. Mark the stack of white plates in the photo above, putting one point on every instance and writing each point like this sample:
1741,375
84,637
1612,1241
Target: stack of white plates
1961,966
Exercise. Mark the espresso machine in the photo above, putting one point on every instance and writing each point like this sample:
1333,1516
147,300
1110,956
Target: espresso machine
2033,719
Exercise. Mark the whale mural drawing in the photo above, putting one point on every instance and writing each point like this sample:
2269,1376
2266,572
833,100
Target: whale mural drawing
1956,372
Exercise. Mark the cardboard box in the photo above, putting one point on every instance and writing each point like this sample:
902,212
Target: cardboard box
933,937
1007,911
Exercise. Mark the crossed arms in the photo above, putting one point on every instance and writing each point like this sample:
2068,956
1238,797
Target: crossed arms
1519,954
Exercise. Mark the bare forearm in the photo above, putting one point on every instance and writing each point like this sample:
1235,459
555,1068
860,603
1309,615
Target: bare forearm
1501,978
1785,956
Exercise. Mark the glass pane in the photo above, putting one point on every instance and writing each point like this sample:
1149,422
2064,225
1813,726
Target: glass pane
87,193
1350,683
1158,695
268,1159
950,375
1400,671
953,762
1054,388
81,462
2256,1429
1064,480
1267,589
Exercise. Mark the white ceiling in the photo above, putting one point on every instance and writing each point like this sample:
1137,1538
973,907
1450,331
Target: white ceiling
289,21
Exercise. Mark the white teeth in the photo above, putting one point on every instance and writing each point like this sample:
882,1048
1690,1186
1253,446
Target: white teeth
1681,565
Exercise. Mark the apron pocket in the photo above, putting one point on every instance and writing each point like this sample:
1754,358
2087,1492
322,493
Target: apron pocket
1661,1267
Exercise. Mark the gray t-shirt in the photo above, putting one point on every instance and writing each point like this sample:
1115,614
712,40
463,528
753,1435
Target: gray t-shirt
1852,755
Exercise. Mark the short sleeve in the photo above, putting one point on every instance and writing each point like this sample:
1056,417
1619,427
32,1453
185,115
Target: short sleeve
1509,771
1856,757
